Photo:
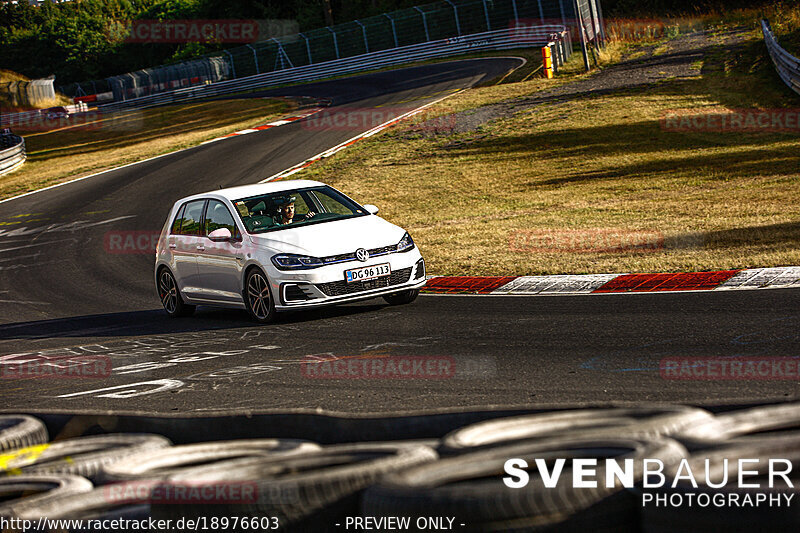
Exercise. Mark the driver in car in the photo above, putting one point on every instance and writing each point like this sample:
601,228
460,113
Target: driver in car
285,212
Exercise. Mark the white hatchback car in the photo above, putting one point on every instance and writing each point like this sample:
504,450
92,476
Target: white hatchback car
281,246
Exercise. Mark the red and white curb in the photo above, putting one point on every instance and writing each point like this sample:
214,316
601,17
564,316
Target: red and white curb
753,278
349,142
275,124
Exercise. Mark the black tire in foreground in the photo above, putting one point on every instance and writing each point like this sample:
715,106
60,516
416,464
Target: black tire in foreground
164,462
258,297
470,488
18,493
578,423
21,431
170,296
742,426
311,492
83,456
402,297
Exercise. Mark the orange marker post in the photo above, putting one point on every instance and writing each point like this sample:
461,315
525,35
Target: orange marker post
547,61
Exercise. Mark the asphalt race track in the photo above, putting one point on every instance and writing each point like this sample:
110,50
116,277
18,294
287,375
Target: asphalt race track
63,293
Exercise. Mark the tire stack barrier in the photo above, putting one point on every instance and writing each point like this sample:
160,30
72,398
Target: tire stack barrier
12,152
306,486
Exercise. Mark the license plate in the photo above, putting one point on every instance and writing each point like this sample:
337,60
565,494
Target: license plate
368,272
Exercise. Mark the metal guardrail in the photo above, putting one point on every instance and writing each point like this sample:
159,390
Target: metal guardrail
787,65
12,152
505,39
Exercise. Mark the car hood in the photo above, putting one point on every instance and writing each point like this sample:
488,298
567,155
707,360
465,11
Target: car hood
331,238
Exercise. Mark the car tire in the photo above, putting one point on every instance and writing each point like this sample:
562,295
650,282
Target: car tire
170,295
34,490
172,460
631,422
21,431
309,492
258,297
82,456
469,488
402,297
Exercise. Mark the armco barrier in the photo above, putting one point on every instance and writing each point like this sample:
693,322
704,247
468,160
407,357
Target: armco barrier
12,152
787,65
555,36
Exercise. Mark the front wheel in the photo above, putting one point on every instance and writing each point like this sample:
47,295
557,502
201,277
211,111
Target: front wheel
171,297
402,297
258,297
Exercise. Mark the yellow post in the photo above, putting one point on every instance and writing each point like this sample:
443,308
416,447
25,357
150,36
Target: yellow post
547,61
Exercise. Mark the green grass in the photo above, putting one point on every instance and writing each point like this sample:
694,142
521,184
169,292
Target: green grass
593,166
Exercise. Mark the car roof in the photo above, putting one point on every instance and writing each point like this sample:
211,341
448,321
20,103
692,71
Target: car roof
246,191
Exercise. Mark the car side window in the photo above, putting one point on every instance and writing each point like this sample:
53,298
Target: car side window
176,224
218,216
192,215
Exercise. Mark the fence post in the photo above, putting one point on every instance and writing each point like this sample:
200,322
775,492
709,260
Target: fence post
424,23
579,16
601,22
308,48
233,67
458,24
486,12
394,30
335,41
282,55
595,23
541,12
364,31
255,58
516,14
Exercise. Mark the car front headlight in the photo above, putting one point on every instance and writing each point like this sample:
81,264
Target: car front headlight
295,262
405,244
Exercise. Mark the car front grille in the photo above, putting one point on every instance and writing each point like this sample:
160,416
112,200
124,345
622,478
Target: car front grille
374,252
342,288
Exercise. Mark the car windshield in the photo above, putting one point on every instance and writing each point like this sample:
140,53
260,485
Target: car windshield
292,208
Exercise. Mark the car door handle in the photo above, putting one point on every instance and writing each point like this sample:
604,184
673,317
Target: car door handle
201,248
173,245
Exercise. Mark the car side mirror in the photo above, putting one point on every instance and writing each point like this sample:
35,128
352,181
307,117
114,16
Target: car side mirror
221,234
371,209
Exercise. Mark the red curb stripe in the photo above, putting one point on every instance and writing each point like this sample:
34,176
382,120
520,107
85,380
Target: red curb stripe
474,284
683,281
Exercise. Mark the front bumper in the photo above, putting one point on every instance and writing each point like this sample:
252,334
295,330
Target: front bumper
327,286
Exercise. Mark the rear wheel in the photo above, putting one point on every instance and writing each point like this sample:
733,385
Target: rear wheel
258,297
402,297
170,295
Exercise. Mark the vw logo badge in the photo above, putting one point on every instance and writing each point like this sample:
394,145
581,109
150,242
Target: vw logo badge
362,255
